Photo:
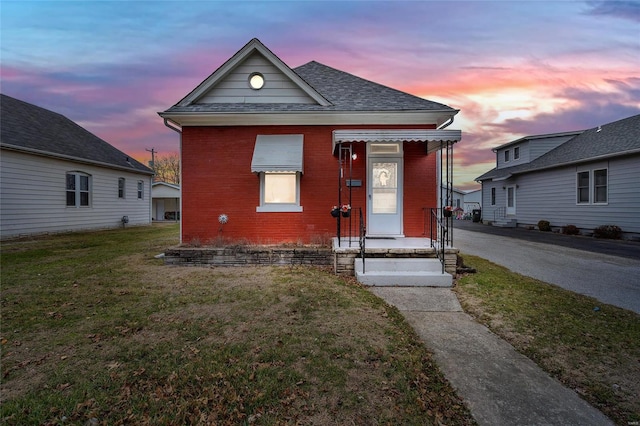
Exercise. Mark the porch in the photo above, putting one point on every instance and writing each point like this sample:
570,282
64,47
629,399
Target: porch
408,262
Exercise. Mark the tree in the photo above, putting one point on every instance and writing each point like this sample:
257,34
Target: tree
167,168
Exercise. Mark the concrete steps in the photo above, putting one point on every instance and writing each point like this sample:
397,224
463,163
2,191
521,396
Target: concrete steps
399,272
505,222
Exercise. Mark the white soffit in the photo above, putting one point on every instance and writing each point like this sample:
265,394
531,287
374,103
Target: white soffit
433,137
277,153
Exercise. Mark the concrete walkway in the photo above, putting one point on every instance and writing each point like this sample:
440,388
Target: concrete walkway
499,385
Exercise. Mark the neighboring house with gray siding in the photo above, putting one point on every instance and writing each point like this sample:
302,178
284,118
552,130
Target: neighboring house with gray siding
56,176
586,179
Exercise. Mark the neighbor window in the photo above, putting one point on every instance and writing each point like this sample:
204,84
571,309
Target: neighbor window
493,196
592,186
583,187
78,186
279,191
516,153
600,186
140,190
121,186
506,155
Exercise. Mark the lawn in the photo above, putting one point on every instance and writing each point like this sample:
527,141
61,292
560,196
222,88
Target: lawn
95,330
591,347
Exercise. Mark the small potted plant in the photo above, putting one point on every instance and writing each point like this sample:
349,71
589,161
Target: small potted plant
447,211
346,210
335,211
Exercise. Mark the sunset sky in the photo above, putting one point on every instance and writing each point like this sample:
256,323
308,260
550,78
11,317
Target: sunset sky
513,68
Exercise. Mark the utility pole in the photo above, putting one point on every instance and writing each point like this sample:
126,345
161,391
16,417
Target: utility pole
153,158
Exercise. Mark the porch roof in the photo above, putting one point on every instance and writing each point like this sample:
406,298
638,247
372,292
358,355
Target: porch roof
433,137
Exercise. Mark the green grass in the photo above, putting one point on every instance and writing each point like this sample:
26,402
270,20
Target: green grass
93,327
591,347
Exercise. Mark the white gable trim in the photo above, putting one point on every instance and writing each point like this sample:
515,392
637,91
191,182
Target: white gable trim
310,118
237,59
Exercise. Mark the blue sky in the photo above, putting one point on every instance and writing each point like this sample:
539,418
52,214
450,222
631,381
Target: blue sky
512,67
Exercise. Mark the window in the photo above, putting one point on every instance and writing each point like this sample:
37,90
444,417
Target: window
279,192
121,186
583,187
600,186
140,190
592,186
506,156
516,153
78,187
493,196
278,161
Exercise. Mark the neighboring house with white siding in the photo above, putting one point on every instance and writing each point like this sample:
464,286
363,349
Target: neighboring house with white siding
586,179
165,201
56,176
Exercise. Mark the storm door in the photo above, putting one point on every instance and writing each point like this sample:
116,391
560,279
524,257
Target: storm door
384,188
511,200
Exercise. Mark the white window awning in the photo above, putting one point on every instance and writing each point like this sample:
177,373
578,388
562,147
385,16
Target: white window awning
277,153
433,137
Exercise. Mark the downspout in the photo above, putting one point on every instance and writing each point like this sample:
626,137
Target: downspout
176,128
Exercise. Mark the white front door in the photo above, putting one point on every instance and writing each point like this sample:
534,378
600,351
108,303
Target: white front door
384,189
511,200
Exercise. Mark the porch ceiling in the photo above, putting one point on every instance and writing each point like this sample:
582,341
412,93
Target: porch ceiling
433,137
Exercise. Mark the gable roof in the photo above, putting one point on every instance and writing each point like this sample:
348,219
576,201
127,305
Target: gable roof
619,138
232,63
29,128
337,93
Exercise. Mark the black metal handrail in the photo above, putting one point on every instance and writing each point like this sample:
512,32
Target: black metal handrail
362,238
442,233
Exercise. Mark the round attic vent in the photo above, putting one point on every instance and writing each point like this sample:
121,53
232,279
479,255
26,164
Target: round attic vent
256,81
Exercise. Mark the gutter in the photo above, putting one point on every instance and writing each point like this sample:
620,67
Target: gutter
173,126
582,160
74,159
446,124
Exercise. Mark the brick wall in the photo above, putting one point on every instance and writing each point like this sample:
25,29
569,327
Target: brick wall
217,179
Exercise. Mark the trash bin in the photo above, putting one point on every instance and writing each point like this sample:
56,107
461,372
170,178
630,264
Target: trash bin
477,215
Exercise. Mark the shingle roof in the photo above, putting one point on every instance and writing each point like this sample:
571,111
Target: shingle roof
345,91
618,138
27,127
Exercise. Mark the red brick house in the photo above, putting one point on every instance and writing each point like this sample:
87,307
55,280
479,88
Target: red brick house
268,150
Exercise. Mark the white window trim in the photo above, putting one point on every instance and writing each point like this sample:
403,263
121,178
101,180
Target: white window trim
279,207
77,190
493,195
592,187
507,156
124,188
516,153
139,191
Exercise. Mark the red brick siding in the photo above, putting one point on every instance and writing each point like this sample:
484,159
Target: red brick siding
217,179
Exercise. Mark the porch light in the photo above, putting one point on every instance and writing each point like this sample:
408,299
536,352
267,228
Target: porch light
354,156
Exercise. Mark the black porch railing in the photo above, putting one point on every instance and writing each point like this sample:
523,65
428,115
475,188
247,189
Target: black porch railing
349,237
440,225
362,239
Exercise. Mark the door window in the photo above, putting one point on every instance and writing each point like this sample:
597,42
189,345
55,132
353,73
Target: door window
385,188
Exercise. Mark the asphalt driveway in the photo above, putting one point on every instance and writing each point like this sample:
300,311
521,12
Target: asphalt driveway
604,269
